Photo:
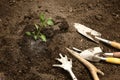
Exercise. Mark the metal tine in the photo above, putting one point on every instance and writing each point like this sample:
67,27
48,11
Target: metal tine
66,56
57,65
77,50
61,55
60,60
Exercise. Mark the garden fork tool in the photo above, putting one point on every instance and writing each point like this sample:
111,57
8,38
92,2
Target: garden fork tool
113,54
93,54
66,65
94,35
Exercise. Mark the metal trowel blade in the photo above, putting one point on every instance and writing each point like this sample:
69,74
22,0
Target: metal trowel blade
90,54
85,31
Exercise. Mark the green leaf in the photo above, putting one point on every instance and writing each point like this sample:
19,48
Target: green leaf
50,22
35,37
42,17
43,37
28,33
44,24
33,33
36,26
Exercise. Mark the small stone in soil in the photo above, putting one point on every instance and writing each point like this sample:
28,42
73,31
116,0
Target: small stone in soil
98,17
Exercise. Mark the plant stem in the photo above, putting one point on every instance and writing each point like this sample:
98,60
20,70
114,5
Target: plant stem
38,32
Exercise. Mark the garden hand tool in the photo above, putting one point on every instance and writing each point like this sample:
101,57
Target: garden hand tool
94,35
114,54
66,65
93,54
93,70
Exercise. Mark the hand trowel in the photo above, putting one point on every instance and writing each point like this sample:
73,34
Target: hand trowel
93,54
94,35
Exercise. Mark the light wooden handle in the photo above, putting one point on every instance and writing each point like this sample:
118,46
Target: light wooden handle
113,60
112,43
116,54
115,44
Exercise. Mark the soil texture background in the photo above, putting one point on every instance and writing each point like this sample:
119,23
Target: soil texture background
22,58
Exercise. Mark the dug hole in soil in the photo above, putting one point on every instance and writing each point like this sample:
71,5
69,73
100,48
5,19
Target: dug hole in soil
22,58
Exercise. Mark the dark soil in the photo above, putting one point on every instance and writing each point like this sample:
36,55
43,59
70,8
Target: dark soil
22,58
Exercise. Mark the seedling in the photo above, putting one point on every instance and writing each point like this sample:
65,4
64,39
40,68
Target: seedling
38,27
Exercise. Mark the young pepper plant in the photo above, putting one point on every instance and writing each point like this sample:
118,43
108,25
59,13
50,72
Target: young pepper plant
43,23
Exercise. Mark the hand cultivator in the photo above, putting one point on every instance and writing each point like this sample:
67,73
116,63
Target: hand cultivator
66,65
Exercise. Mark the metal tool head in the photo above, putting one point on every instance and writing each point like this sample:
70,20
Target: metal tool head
66,63
91,54
89,33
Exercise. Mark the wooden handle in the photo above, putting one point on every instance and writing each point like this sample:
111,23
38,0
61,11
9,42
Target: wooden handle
115,44
113,60
93,70
116,54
